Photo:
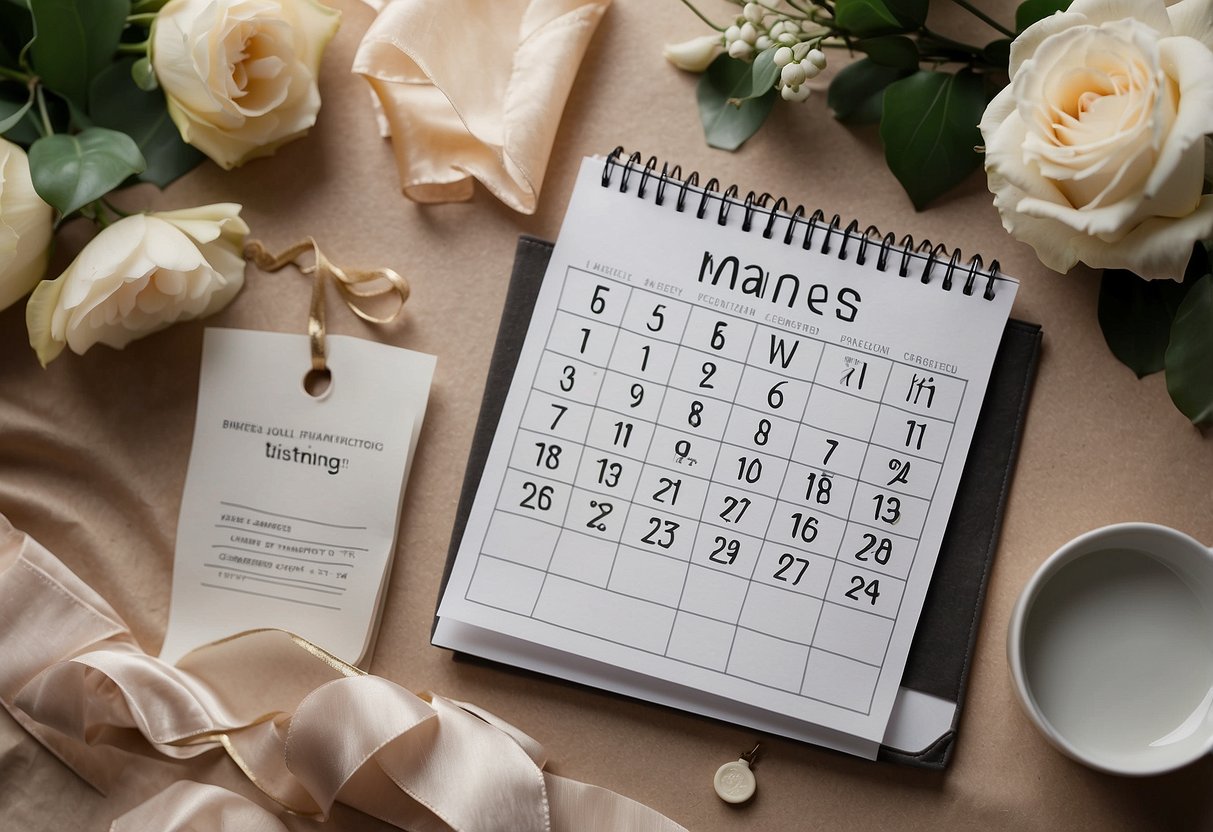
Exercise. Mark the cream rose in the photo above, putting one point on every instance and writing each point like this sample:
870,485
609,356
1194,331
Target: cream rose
137,276
240,75
25,227
1096,150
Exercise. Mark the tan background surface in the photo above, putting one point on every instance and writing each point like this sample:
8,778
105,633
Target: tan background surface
93,454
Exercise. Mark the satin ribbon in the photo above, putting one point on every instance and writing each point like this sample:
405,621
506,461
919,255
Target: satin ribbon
354,286
473,89
306,728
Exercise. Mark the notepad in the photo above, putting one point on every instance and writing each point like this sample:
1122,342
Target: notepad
725,464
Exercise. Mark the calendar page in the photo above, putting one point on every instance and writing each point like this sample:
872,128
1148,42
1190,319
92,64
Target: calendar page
726,463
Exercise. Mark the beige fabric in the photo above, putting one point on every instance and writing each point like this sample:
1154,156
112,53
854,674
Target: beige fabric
93,454
473,89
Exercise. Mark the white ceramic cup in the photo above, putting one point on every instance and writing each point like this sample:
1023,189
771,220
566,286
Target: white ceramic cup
1111,649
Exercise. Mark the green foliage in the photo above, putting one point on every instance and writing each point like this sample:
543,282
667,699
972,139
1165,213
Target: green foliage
763,73
857,92
73,40
727,107
1135,316
119,104
896,51
72,171
929,129
1189,358
1031,11
868,18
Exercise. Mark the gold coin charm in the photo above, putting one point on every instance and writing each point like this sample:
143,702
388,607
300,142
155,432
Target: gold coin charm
734,782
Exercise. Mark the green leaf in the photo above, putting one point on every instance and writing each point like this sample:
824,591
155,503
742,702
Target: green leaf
1189,360
895,51
867,18
1031,11
143,75
856,91
929,129
728,114
10,117
73,40
1135,316
16,30
72,171
763,73
998,52
119,104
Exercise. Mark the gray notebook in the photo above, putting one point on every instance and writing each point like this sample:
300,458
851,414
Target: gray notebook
923,726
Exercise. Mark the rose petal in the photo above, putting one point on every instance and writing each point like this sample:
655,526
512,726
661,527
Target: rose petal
1152,13
1194,19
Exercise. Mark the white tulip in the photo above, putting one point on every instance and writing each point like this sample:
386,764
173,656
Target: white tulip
26,225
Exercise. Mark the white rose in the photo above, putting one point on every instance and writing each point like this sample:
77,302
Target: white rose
695,54
137,276
25,227
1096,150
240,75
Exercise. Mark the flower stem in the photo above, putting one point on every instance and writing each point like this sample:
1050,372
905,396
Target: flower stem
14,75
118,212
47,129
983,17
133,48
699,15
144,18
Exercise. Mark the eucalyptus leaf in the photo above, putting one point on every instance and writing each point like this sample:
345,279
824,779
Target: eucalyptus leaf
1189,359
856,91
728,114
929,128
1031,11
72,171
895,51
1136,315
119,104
73,40
763,73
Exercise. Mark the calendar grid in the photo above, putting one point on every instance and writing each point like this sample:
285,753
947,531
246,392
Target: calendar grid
665,389
728,396
698,528
766,535
834,565
564,517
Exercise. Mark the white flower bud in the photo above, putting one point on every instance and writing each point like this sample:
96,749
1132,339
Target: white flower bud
810,70
786,39
741,50
695,54
792,75
763,43
753,12
817,58
795,93
783,56
800,50
770,4
748,33
731,34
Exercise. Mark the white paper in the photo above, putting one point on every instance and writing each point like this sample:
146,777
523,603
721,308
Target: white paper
291,502
737,488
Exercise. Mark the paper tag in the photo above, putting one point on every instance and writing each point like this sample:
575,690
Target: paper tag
291,502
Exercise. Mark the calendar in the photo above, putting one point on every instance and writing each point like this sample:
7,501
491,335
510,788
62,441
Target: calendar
727,457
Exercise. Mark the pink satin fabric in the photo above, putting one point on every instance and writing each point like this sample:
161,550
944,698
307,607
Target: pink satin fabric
305,728
468,88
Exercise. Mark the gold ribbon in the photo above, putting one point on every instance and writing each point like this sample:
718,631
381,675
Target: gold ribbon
355,286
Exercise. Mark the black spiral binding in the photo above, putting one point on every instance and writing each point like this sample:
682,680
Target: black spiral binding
756,206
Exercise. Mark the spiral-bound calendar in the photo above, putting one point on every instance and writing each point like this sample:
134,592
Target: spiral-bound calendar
728,455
